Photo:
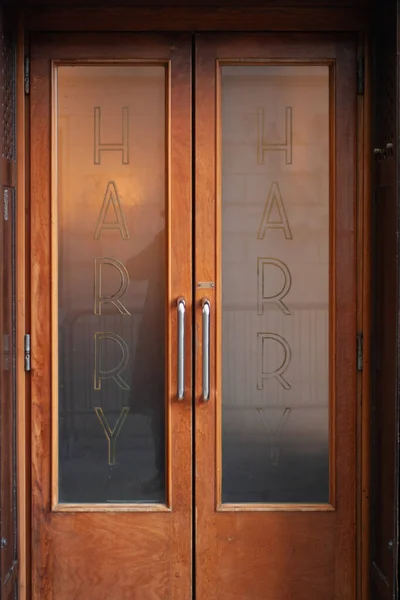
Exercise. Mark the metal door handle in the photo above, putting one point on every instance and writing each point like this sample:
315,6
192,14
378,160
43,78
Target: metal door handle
181,347
206,349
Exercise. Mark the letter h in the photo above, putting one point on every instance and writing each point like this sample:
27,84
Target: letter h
122,146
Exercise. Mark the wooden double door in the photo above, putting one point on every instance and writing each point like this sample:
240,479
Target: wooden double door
193,285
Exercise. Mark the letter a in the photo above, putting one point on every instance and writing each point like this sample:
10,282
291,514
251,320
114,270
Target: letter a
111,198
274,201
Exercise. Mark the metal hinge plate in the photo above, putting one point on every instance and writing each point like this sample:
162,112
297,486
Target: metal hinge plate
27,349
360,75
27,75
360,351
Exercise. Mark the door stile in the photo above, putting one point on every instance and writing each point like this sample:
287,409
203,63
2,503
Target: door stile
40,287
205,257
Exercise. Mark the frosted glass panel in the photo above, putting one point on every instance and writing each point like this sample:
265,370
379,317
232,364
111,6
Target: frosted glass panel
275,284
111,180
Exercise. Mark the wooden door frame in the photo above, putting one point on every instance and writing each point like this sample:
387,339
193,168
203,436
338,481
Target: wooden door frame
384,556
256,18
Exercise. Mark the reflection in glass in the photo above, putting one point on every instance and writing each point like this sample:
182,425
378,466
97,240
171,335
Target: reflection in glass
110,123
275,284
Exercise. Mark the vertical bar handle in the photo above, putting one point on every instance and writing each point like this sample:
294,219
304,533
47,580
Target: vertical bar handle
206,349
181,305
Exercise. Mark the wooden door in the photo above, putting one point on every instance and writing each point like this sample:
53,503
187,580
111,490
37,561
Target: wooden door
110,256
275,273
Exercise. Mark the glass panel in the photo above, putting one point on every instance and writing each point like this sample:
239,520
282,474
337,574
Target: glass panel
275,284
111,282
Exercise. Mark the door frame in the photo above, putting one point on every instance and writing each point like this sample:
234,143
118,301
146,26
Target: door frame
254,18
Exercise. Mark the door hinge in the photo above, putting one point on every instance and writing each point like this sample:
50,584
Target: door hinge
27,349
360,75
27,75
360,351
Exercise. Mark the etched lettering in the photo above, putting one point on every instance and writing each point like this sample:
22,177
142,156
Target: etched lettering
274,432
285,146
111,201
114,373
262,263
114,299
112,434
100,146
274,203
